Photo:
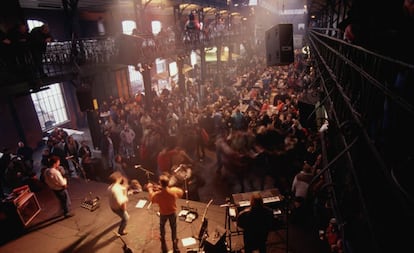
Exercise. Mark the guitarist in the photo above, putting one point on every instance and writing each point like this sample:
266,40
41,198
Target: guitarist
118,199
166,198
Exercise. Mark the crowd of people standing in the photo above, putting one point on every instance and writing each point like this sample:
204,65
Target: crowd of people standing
21,48
255,116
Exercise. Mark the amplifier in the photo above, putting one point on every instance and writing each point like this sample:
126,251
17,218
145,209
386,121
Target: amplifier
27,207
20,208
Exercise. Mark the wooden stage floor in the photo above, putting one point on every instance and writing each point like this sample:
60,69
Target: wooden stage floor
94,231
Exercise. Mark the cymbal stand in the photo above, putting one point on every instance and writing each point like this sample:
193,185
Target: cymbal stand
186,192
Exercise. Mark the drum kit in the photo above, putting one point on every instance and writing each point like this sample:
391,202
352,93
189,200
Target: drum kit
179,176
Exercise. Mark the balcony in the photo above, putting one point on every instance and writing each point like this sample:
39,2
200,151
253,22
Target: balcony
67,60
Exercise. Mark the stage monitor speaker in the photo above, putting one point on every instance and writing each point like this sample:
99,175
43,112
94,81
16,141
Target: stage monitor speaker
279,45
216,241
85,99
26,204
28,208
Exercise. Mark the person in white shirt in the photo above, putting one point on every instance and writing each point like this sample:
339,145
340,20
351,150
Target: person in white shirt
118,199
127,136
301,182
300,189
54,178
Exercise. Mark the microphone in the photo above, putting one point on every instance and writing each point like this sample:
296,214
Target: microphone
181,166
69,157
177,169
137,166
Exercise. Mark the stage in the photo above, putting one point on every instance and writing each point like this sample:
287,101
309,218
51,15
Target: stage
94,231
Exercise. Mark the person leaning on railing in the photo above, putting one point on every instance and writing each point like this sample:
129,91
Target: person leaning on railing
39,37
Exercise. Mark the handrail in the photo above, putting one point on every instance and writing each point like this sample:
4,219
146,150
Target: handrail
358,88
63,59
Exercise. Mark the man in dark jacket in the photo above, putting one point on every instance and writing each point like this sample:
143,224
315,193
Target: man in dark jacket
256,223
39,37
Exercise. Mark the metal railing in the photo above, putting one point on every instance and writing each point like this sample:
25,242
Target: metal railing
63,59
369,119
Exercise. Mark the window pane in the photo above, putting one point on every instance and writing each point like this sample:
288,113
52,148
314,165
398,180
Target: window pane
160,65
128,26
156,27
50,107
136,80
32,23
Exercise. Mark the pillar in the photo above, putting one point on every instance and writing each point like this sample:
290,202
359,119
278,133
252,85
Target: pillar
146,75
181,77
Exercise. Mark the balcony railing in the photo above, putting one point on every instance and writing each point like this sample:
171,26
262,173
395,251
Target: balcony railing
63,59
369,115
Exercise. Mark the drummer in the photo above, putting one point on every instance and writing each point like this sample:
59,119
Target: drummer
164,160
180,156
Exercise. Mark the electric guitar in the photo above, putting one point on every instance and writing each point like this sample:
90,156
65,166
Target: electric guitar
204,222
125,247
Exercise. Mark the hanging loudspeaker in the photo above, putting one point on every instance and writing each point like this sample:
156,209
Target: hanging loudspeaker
279,45
85,99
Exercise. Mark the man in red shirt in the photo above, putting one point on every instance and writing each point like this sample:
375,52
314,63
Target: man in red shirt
166,199
164,160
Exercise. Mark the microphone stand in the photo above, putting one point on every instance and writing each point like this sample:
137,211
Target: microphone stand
186,191
187,207
185,186
148,173
227,222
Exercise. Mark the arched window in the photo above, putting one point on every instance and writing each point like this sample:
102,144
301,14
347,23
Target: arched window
128,26
32,23
156,27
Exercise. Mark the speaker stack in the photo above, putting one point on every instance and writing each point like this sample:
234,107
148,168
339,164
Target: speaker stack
129,49
279,45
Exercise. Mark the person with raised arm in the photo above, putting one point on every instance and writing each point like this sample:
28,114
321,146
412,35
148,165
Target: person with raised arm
166,198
